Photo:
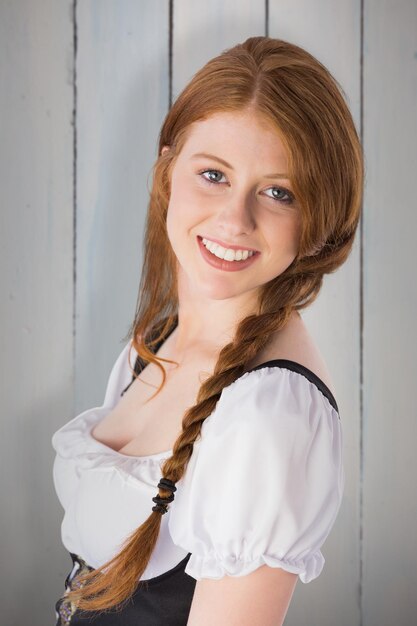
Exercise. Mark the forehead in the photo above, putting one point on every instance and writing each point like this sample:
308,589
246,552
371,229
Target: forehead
236,133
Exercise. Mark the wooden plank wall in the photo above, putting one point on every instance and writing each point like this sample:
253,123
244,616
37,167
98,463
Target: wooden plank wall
389,577
122,98
85,87
36,256
331,32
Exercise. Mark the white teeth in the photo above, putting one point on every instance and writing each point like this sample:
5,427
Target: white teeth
226,253
230,255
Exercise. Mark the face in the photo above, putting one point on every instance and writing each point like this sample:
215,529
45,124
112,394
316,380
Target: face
230,192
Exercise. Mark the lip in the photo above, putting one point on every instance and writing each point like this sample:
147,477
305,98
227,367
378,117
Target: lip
221,264
227,245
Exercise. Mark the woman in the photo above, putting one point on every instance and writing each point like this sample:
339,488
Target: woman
256,195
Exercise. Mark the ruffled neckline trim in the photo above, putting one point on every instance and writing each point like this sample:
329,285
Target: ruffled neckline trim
75,439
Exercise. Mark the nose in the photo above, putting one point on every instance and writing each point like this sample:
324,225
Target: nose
235,216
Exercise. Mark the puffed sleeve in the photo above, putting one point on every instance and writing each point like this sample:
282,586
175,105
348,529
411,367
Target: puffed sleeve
265,481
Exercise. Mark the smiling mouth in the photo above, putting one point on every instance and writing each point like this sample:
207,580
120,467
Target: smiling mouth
227,253
223,263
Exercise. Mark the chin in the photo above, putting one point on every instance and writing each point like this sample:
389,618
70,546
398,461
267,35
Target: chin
213,291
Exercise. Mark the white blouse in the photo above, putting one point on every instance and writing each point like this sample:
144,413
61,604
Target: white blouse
264,483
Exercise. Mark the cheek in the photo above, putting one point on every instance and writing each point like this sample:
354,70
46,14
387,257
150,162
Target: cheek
181,199
181,217
187,206
284,234
284,245
172,223
174,217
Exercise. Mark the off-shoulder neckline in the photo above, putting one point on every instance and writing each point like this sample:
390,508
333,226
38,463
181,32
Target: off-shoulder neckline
288,364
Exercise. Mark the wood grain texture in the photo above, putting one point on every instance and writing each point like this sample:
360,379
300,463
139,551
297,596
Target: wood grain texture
204,29
122,86
36,379
390,292
331,32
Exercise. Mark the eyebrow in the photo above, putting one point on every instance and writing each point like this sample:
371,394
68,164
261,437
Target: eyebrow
226,164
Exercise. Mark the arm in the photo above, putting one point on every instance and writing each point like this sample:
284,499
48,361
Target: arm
261,597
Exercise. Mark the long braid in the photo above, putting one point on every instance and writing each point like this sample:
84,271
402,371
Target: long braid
252,334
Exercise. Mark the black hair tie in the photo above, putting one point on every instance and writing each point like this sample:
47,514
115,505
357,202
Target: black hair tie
161,505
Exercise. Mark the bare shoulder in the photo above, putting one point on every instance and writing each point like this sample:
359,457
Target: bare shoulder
295,343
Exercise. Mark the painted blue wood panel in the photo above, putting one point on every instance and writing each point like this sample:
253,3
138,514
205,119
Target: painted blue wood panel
36,263
390,311
71,257
122,98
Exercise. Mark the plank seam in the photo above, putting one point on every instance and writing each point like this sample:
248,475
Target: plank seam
170,49
361,325
74,185
266,18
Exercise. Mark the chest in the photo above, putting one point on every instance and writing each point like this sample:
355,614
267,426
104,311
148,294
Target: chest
142,423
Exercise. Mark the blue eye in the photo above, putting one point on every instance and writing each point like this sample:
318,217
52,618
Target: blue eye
218,175
210,180
290,197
